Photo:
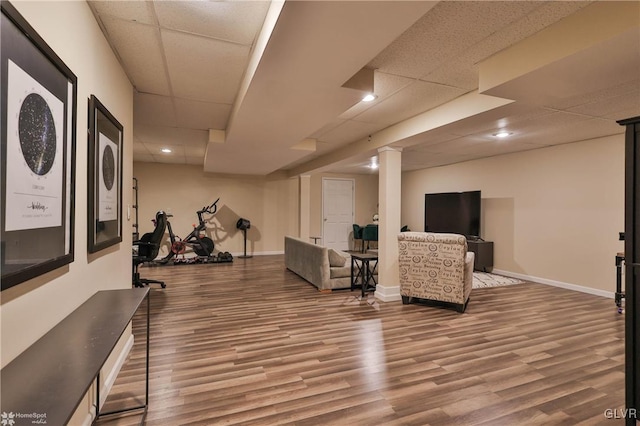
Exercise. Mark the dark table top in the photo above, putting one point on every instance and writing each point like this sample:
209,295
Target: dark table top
365,256
52,376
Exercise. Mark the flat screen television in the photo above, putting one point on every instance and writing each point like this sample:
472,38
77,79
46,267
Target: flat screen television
453,212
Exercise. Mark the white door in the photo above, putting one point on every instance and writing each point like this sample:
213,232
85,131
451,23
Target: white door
337,212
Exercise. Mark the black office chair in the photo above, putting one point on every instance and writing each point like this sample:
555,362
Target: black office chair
148,248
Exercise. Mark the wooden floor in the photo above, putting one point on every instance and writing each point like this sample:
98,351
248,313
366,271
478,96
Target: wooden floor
252,343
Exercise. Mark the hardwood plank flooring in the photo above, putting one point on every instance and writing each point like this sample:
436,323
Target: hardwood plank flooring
252,343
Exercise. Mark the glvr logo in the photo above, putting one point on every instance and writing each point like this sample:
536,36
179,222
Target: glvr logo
621,413
7,419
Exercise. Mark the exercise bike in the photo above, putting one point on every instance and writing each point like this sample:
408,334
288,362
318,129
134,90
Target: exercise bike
201,245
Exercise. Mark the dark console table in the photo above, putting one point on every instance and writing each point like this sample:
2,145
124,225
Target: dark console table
53,375
483,254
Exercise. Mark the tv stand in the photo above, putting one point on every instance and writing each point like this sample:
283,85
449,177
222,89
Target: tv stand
483,251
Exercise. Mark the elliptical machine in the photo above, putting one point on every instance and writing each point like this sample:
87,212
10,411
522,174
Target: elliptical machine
202,246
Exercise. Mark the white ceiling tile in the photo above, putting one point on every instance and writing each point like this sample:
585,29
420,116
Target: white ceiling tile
139,48
144,158
156,150
202,115
349,131
196,161
139,148
134,11
195,150
412,100
176,159
385,85
204,69
238,21
326,128
447,30
171,135
154,110
615,107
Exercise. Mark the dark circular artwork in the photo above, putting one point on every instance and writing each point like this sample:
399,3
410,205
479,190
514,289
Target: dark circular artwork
108,167
37,134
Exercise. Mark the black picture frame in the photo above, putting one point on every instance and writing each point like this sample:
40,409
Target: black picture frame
104,178
38,140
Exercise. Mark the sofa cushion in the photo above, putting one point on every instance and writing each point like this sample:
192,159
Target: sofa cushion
340,271
337,258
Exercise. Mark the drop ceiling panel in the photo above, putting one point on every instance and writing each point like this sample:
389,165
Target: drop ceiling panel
384,86
326,128
196,161
156,150
204,69
144,158
349,131
447,30
140,50
171,135
615,108
134,11
139,148
202,115
237,21
154,110
418,97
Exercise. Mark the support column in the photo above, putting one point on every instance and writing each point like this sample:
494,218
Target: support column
305,207
389,197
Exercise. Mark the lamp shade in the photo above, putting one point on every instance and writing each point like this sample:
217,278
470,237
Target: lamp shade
243,224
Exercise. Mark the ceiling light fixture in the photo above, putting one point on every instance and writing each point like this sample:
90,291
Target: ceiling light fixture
502,134
166,150
369,97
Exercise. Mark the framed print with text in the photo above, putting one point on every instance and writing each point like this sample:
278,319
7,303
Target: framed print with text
38,122
105,178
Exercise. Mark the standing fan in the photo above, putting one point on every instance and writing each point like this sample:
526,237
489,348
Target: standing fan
243,225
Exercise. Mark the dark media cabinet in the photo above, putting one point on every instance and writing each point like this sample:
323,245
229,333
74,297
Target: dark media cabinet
483,254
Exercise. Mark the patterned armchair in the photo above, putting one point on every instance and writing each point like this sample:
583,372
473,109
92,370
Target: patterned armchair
436,268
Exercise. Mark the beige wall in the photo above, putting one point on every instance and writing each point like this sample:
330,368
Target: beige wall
30,309
270,205
553,213
366,198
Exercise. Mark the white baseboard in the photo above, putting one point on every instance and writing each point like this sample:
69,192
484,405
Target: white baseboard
387,293
107,384
568,286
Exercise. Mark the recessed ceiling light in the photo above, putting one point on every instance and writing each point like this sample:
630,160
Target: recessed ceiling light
373,165
502,134
166,150
369,97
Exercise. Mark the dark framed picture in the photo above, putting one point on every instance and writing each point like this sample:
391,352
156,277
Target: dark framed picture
105,178
38,132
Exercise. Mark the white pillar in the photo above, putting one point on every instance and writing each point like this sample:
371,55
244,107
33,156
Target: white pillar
305,207
389,185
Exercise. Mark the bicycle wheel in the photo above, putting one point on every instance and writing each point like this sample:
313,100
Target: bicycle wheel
205,248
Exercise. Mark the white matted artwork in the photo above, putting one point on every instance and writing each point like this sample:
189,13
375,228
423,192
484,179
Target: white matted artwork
108,170
35,119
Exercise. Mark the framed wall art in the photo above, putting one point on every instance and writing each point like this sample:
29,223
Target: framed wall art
38,135
105,178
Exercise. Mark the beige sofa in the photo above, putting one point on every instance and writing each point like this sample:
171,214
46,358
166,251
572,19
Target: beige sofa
313,262
436,268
